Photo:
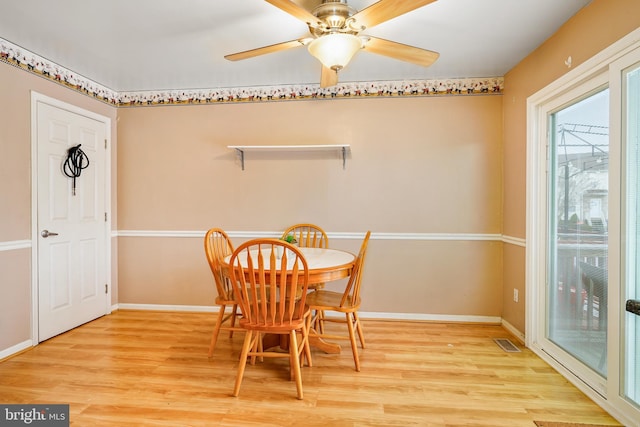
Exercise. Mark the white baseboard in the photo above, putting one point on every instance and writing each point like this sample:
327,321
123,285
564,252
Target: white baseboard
15,349
509,327
363,315
162,307
429,317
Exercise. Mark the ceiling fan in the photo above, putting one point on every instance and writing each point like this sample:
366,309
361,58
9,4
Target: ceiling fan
335,37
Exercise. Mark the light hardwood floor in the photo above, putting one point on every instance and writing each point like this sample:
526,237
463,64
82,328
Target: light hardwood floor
137,368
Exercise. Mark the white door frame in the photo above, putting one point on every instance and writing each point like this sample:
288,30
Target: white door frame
35,98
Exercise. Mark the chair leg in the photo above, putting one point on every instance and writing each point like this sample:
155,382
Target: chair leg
294,362
315,320
354,345
359,328
304,349
307,346
216,330
256,347
260,345
320,322
234,312
248,338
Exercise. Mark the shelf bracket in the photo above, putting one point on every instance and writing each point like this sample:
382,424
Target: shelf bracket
241,153
344,158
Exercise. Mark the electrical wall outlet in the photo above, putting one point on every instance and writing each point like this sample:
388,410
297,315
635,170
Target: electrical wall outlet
515,295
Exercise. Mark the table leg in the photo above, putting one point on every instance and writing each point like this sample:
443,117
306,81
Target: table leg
274,340
316,341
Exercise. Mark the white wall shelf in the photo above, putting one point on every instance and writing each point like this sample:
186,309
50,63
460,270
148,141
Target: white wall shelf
342,148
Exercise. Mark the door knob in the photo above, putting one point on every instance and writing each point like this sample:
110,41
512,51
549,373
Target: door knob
633,306
47,233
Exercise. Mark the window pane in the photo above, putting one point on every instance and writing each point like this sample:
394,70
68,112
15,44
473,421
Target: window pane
632,256
578,234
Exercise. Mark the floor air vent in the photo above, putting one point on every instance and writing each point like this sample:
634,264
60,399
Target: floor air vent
507,345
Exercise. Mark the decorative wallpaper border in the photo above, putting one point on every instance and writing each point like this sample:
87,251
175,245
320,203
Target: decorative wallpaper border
26,60
30,62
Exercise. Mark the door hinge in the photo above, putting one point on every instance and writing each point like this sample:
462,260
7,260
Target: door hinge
105,143
106,288
105,217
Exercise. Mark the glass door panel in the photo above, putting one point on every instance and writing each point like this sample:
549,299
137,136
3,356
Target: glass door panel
631,291
578,230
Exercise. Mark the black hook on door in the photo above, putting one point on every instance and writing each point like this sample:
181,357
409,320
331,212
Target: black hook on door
73,165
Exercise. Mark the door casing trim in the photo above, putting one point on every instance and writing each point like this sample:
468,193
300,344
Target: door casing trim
37,97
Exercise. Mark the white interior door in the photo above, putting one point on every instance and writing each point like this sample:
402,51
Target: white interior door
72,239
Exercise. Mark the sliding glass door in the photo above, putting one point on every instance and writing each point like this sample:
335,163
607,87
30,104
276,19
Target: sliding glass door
583,228
631,229
578,233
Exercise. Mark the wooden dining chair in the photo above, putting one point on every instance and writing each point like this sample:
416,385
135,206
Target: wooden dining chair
308,236
271,292
217,245
347,302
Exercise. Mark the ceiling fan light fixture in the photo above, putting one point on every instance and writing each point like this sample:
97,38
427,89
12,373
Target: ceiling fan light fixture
335,50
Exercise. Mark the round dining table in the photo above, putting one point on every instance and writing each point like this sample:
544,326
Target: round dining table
324,265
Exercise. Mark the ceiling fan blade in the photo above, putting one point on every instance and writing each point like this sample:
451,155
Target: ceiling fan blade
296,11
400,51
328,77
264,50
385,10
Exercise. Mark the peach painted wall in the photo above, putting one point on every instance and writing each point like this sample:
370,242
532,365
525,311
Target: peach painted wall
591,30
15,194
418,165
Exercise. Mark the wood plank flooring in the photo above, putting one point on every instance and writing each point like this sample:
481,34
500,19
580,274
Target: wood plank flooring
142,368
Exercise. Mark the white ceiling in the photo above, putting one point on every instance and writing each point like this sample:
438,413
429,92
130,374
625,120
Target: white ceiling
136,45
